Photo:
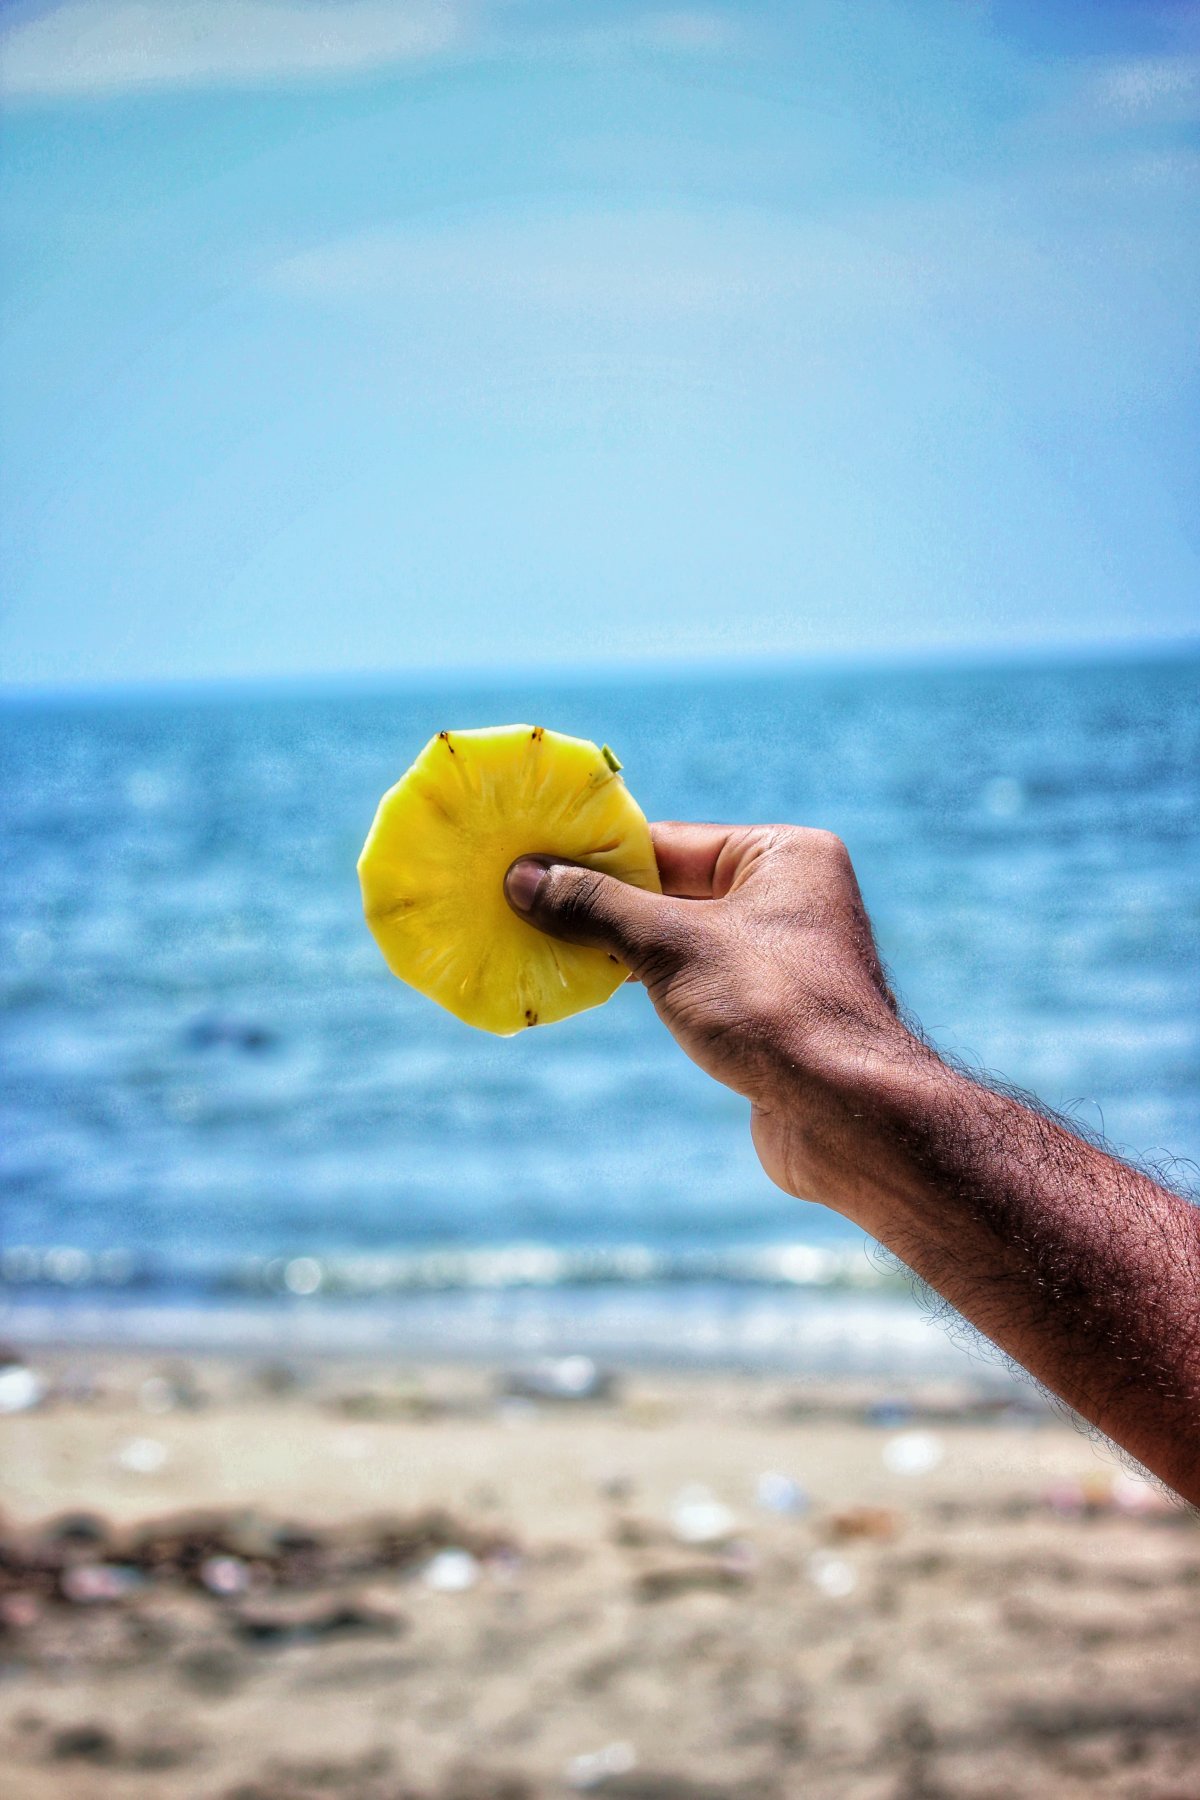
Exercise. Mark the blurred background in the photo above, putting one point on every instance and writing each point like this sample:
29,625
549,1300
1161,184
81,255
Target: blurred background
801,399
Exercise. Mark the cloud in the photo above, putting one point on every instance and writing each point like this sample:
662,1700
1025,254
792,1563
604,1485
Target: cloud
642,265
1128,93
1162,87
1082,266
83,47
102,47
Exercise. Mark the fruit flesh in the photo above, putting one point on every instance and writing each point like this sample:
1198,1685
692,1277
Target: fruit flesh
432,871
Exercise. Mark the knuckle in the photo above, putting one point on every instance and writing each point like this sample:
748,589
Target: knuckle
776,837
830,846
805,844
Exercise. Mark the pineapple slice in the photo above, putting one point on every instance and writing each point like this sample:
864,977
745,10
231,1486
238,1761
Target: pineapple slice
433,866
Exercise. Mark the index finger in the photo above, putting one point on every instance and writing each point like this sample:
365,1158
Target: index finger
688,854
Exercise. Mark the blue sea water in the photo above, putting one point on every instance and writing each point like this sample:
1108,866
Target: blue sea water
219,1107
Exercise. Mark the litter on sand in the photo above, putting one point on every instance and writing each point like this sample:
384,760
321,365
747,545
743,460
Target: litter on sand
913,1453
698,1517
451,1572
592,1769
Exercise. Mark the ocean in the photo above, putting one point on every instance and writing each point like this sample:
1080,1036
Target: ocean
224,1121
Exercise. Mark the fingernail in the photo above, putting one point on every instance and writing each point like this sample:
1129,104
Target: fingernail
522,882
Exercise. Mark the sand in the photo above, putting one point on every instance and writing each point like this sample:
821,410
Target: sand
222,1580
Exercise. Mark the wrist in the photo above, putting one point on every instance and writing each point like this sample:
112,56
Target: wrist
847,1111
870,1068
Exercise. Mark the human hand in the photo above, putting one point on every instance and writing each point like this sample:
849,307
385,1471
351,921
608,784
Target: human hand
759,958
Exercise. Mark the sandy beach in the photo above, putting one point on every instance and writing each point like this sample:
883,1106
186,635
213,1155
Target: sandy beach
235,1581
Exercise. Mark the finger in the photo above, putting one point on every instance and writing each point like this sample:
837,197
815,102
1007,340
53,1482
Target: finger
704,862
687,855
584,906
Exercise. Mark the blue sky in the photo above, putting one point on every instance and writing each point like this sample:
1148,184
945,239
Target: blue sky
345,335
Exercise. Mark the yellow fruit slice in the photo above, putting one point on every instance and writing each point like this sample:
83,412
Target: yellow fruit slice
432,871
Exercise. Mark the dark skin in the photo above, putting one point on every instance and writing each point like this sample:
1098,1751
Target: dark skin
760,960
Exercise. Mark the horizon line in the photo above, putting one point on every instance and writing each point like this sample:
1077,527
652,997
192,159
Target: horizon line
934,658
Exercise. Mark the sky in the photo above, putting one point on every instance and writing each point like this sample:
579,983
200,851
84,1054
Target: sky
383,336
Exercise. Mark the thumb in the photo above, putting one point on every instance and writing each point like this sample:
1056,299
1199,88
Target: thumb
584,906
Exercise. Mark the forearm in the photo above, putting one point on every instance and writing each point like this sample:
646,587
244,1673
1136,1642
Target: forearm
1081,1268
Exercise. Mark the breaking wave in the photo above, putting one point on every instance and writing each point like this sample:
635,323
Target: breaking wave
494,1269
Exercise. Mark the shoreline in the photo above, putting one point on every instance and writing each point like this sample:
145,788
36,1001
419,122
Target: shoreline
844,1334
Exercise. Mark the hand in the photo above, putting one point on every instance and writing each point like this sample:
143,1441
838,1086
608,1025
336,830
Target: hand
759,958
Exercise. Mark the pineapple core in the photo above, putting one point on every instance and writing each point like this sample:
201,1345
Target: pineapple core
433,866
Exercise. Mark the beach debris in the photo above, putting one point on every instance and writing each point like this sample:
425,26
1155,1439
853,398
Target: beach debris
719,1575
79,1560
248,1535
591,1769
99,1584
205,1550
225,1576
299,1619
699,1518
451,1571
833,1575
142,1456
913,1453
76,1530
400,1543
84,1743
178,1547
778,1493
880,1523
560,1378
21,1388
